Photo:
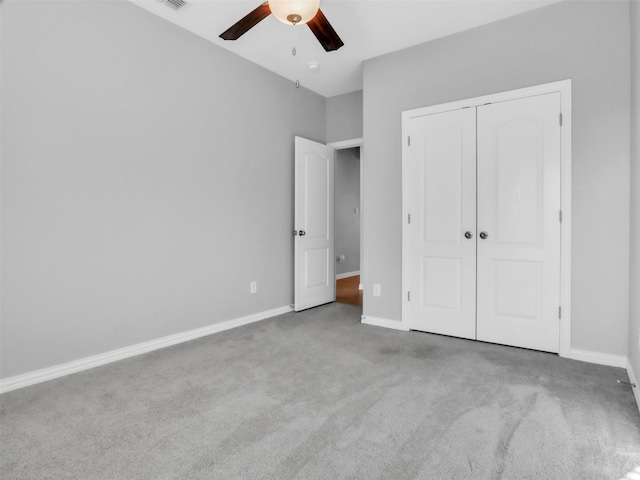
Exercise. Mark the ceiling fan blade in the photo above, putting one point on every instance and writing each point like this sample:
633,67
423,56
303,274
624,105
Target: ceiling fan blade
324,32
247,23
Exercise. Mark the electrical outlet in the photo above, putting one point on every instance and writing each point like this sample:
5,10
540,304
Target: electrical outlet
377,290
253,286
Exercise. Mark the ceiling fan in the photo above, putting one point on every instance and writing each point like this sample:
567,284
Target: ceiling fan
291,12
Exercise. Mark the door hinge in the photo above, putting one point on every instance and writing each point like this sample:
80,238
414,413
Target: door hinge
559,312
408,141
408,218
560,119
560,216
408,296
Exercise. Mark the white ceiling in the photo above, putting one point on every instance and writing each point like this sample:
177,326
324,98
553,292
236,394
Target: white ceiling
368,28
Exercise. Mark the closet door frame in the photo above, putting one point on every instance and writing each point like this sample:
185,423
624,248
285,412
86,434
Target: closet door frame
564,88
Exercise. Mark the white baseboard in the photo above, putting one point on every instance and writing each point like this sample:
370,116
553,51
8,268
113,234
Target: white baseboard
57,371
599,358
634,379
340,276
383,322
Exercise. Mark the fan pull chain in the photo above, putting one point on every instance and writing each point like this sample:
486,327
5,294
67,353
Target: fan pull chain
294,52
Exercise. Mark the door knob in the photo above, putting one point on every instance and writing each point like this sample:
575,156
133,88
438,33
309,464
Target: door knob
484,235
468,235
302,233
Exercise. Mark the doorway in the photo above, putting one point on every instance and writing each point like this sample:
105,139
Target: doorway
348,220
315,279
347,225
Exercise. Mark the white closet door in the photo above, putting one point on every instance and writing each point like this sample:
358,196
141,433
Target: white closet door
518,280
441,200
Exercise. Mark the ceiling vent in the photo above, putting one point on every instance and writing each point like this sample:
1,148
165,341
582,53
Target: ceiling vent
175,4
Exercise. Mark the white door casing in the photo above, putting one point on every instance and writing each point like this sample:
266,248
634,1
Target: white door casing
441,189
518,208
314,276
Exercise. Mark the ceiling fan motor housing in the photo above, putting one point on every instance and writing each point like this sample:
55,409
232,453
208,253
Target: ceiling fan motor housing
294,12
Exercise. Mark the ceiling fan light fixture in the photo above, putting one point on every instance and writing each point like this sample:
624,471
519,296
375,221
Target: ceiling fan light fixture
293,12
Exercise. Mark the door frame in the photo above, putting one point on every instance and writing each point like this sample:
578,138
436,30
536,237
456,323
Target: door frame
564,88
342,145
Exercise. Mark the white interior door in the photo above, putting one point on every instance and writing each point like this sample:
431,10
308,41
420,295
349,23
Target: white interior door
314,282
441,204
518,222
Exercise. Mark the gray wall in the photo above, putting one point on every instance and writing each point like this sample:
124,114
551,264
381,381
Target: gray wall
634,264
147,178
585,41
347,221
344,116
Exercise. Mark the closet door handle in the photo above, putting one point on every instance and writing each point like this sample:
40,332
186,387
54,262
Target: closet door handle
484,235
468,235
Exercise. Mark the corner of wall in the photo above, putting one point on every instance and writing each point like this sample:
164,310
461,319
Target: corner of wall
634,261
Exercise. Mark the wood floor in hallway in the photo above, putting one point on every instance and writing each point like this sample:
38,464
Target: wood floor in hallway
347,290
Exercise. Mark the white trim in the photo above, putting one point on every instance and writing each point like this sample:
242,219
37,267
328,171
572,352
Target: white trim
383,322
566,164
599,358
564,88
406,116
560,86
45,374
340,276
634,379
354,142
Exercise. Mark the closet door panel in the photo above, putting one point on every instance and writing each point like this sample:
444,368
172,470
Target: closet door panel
518,210
441,198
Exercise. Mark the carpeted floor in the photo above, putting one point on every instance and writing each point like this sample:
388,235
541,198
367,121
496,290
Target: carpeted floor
317,395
